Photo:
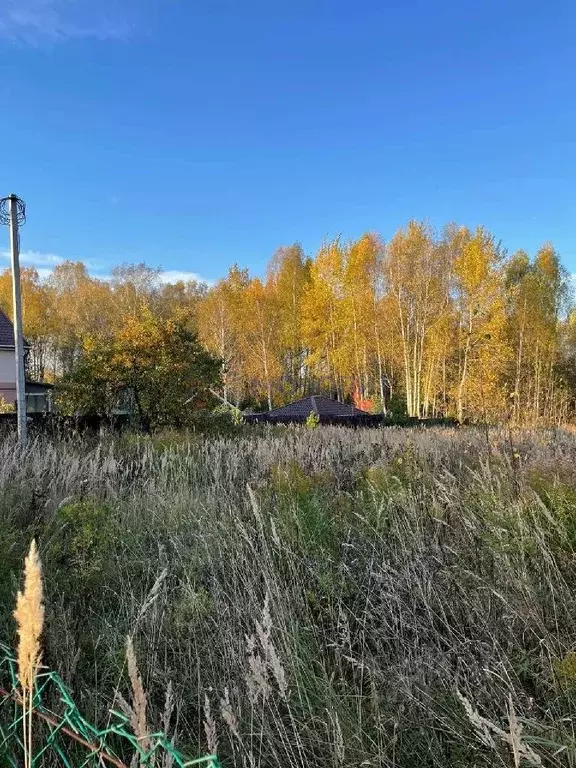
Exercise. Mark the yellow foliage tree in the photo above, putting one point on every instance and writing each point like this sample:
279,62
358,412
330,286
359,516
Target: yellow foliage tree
482,353
260,335
219,320
433,325
417,277
323,319
38,318
288,275
363,360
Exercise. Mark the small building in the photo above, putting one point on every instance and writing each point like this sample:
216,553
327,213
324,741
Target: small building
325,409
38,397
38,394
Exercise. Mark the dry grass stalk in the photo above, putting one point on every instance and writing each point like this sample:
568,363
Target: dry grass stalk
169,704
256,677
29,615
124,706
227,713
152,596
139,702
373,589
168,708
136,712
210,727
339,751
513,737
264,633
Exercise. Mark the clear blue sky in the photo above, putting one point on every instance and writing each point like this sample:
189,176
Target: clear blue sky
194,133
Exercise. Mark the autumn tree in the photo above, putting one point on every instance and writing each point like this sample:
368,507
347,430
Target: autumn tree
361,336
519,299
158,366
220,330
38,318
82,306
182,297
134,286
323,321
481,327
433,325
288,275
553,290
537,298
259,338
417,281
564,402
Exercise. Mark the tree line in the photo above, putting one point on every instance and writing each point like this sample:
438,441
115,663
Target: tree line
429,324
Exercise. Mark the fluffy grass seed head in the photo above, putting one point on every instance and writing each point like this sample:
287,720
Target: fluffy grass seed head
29,615
139,700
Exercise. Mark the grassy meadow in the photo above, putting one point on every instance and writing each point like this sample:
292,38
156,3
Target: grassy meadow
312,597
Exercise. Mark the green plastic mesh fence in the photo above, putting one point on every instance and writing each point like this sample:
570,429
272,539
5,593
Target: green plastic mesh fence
62,737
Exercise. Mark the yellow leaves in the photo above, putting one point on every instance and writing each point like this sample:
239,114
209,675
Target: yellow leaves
36,303
546,261
436,322
479,288
323,323
537,294
475,263
156,363
239,322
417,276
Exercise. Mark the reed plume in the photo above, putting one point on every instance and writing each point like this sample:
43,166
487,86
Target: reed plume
29,615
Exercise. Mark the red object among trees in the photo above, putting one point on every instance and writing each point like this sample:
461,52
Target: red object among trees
363,404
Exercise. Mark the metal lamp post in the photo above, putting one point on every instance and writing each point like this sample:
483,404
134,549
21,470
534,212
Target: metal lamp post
13,214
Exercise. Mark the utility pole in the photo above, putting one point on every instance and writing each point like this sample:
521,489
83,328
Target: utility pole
13,213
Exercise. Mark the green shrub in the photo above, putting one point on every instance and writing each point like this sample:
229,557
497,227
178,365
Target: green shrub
312,420
82,544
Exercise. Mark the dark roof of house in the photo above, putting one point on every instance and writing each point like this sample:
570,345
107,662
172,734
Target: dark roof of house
318,404
7,332
38,387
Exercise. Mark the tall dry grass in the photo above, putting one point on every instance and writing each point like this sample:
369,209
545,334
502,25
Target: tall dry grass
29,615
315,597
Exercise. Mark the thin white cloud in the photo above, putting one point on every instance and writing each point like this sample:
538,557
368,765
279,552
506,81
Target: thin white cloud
43,272
36,21
177,276
44,263
35,258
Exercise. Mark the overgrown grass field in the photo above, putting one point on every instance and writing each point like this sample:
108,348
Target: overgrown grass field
313,598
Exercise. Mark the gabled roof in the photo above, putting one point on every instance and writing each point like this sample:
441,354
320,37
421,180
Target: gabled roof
6,331
318,404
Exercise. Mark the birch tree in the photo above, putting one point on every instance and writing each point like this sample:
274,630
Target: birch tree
417,283
481,320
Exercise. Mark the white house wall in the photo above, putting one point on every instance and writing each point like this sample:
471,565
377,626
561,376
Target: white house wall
8,375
